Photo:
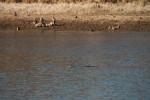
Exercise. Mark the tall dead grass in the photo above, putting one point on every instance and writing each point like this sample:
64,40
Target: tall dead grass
72,8
73,1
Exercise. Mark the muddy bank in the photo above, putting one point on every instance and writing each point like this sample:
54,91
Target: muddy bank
81,23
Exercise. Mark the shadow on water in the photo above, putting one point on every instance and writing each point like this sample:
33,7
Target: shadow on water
74,66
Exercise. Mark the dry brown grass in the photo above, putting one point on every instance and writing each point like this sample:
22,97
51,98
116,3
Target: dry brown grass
74,1
73,8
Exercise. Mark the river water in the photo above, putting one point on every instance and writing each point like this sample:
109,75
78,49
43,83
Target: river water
74,66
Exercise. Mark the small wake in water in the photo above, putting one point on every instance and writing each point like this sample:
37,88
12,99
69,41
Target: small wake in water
84,66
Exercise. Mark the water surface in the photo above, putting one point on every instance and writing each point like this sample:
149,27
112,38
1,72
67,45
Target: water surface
74,66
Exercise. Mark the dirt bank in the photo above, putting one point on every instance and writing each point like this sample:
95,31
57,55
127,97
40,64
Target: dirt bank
68,22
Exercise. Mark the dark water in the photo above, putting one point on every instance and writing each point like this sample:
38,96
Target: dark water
74,66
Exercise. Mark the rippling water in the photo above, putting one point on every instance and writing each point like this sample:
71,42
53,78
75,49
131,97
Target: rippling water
74,66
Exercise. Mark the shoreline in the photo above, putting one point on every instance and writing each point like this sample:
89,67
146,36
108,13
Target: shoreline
76,17
82,23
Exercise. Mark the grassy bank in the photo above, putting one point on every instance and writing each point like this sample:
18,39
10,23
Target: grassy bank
76,16
73,8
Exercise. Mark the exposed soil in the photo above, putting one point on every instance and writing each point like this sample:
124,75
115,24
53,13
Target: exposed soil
69,22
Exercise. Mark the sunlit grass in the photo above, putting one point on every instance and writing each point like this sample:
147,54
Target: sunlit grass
78,8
